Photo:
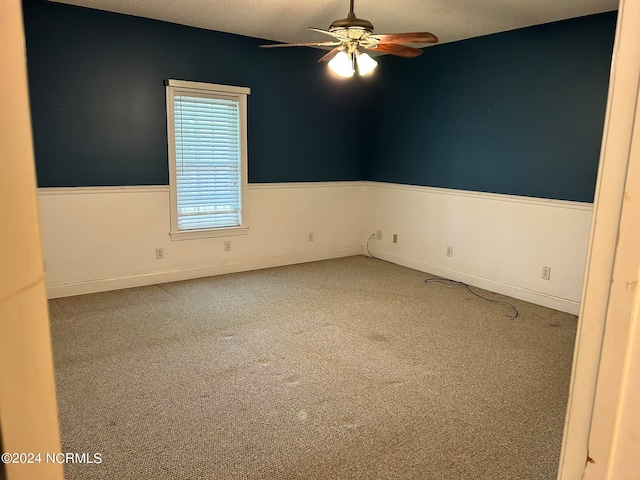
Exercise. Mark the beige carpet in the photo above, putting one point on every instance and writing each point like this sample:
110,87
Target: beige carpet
344,369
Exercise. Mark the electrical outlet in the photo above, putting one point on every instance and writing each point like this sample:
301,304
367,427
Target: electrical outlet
227,246
546,273
378,234
311,236
395,238
449,250
159,253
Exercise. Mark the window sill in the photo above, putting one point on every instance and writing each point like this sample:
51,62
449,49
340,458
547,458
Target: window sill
208,233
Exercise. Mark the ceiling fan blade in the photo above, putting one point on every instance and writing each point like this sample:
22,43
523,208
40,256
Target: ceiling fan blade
315,44
415,37
329,56
394,49
327,32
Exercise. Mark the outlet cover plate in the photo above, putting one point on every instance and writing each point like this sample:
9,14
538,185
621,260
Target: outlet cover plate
546,273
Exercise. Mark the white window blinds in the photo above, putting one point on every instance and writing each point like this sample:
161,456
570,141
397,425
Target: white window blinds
208,162
207,140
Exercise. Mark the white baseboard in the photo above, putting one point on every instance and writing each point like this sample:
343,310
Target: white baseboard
103,285
539,298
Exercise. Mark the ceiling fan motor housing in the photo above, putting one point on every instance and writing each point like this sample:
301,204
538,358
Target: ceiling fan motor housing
351,21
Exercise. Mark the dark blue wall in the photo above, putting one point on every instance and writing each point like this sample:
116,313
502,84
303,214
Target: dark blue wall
98,99
519,112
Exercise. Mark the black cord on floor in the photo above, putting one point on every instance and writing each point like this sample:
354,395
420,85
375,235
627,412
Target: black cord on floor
446,281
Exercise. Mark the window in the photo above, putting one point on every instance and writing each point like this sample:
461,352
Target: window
207,133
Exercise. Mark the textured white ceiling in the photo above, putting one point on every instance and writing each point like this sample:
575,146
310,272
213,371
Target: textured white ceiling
287,20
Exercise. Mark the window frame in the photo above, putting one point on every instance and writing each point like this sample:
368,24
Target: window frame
182,87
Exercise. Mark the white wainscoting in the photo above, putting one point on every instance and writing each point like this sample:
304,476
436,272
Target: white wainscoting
500,242
105,238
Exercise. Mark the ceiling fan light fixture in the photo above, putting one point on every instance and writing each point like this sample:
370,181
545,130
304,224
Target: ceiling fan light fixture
366,64
342,65
351,34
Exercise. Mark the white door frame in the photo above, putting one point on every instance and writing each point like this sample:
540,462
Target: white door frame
28,409
607,301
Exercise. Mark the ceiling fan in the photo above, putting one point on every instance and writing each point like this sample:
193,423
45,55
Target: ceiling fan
351,35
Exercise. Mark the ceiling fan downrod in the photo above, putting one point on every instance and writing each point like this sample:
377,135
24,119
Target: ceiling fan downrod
351,21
